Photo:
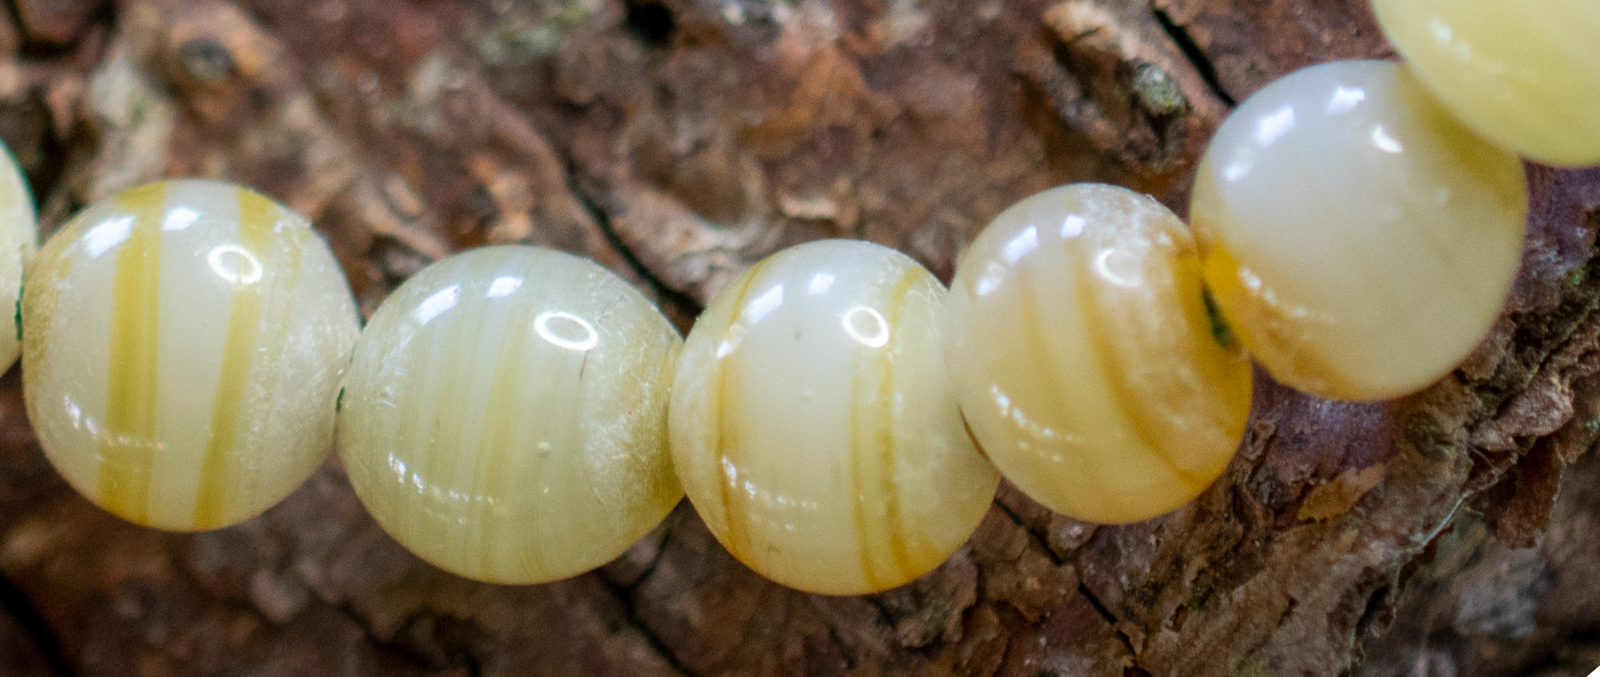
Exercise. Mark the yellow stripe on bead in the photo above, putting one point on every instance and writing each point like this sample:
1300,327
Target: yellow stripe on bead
257,216
880,527
727,446
129,443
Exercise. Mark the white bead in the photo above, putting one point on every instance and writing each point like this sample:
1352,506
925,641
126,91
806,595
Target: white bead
182,349
813,425
505,415
1360,240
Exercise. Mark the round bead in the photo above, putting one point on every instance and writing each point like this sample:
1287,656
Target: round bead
19,237
1522,73
182,349
505,415
1358,238
1085,359
813,425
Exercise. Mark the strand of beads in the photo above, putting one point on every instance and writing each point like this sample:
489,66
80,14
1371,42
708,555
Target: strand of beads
507,413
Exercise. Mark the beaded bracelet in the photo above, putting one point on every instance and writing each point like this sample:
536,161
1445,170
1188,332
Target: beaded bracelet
192,351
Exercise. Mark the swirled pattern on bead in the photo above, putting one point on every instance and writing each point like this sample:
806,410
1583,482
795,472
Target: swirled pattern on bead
1085,359
505,416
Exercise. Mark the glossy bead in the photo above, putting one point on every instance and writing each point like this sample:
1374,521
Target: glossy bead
1085,360
1522,73
182,349
1358,238
19,237
505,415
813,425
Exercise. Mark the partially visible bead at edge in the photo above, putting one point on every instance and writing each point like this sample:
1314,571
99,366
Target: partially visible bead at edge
1522,73
19,237
1358,238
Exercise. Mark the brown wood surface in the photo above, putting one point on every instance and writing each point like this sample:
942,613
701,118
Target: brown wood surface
679,141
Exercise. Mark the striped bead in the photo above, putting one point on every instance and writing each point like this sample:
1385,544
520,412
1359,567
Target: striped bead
505,415
182,348
19,236
813,426
1085,359
1522,73
1360,240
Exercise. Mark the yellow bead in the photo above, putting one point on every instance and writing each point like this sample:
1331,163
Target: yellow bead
1085,360
1521,72
505,415
182,348
813,425
1358,238
19,236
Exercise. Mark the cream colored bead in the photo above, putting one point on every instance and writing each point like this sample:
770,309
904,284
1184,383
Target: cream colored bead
182,349
813,425
505,415
1523,73
1084,357
1359,239
19,237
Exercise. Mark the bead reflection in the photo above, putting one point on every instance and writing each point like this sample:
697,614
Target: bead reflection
435,305
1019,246
763,304
101,238
234,264
503,286
1382,141
569,331
1272,127
180,218
1119,268
1072,226
820,283
867,326
1346,99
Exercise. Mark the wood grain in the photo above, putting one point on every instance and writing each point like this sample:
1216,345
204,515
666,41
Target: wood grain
678,141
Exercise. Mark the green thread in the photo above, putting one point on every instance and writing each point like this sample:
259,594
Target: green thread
1221,332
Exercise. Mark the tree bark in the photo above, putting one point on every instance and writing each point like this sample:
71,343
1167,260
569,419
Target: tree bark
679,141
